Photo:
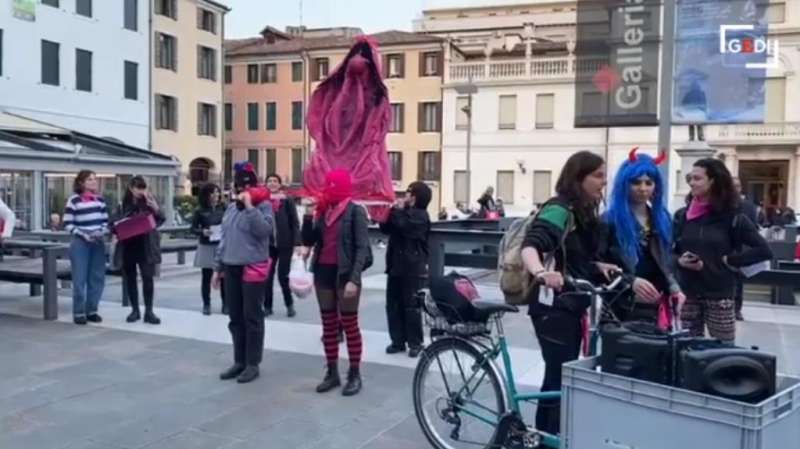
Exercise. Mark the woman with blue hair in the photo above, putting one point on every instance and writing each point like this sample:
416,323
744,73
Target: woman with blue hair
640,240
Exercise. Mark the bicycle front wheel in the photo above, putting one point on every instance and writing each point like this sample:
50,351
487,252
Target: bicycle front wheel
458,396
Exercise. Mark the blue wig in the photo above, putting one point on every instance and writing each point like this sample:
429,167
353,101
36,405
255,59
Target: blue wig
620,215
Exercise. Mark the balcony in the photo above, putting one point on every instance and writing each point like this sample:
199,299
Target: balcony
532,69
786,132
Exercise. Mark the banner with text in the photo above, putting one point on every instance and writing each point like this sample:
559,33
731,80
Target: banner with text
617,63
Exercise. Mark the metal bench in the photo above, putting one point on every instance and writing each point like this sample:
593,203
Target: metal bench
44,271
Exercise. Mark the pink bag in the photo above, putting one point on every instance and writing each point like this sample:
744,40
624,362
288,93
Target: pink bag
257,272
134,226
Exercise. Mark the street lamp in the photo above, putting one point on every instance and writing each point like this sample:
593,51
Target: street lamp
469,90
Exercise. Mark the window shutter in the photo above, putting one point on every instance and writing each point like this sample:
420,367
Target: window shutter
214,121
199,61
174,113
158,49
420,165
420,117
200,18
315,69
421,64
402,65
385,66
174,5
440,64
200,119
402,112
174,53
438,117
213,65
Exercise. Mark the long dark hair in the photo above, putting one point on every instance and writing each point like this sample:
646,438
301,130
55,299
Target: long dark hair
204,198
80,180
723,196
569,186
364,50
136,182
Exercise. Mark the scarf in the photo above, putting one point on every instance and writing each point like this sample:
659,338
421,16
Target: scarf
698,209
336,196
88,196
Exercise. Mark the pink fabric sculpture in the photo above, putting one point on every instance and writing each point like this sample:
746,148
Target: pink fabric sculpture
348,118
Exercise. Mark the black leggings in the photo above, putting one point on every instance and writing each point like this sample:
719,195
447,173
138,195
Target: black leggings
147,270
205,287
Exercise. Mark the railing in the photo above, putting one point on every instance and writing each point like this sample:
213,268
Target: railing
768,131
523,69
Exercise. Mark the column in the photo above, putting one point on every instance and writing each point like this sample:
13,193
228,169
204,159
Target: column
169,209
731,159
793,182
37,221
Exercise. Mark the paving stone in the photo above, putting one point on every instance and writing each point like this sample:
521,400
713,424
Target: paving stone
194,439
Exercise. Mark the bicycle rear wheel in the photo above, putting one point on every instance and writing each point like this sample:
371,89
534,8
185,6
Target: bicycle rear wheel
458,396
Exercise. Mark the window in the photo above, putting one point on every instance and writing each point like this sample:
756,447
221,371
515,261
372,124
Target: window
398,118
252,157
271,161
131,80
505,186
272,116
297,115
167,8
227,164
53,3
51,66
269,73
206,119
228,117
460,187
228,74
166,52
252,116
545,105
206,63
322,68
541,187
297,71
430,117
166,112
508,112
83,7
428,166
297,165
774,13
252,73
396,163
206,20
131,18
775,100
462,118
430,64
395,66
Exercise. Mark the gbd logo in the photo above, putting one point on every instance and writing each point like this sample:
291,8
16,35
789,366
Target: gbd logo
750,44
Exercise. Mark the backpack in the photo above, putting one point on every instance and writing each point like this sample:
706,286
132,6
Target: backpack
515,281
453,294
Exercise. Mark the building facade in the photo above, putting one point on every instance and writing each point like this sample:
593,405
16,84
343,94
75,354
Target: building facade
187,77
80,64
523,112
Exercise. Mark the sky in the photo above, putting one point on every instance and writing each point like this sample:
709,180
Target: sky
249,17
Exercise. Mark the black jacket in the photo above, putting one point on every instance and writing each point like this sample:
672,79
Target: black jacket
749,209
407,253
287,225
204,219
144,248
711,237
353,248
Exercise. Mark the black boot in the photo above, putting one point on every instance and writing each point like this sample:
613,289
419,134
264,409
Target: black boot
134,316
290,312
395,349
150,317
206,309
249,374
331,379
232,372
353,385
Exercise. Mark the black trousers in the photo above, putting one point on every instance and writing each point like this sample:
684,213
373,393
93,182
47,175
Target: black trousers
403,310
281,263
205,287
147,270
559,335
246,316
739,298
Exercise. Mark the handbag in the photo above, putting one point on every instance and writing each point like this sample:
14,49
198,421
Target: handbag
257,272
134,226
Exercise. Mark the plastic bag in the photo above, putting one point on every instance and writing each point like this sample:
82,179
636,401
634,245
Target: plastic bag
301,281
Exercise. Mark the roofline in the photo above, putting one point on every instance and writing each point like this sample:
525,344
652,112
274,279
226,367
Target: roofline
474,8
217,5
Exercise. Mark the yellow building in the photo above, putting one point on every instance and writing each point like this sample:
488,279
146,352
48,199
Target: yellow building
187,81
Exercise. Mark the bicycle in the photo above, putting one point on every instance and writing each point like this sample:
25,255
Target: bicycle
500,421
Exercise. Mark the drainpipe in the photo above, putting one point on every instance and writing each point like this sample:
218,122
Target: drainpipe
306,99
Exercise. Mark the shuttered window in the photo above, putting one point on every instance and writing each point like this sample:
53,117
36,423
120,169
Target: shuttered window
545,105
508,112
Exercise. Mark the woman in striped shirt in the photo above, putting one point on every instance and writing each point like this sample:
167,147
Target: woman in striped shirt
86,218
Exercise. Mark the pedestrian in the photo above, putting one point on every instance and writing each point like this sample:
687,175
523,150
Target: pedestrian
408,227
242,260
207,225
713,240
487,203
563,240
639,239
86,219
142,250
287,237
501,208
55,222
338,233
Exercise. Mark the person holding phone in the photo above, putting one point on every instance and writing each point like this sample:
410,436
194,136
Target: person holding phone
142,251
86,219
206,224
713,240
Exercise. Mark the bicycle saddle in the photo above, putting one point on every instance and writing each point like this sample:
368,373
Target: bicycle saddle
490,308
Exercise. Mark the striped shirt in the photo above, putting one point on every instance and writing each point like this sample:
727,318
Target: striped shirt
85,216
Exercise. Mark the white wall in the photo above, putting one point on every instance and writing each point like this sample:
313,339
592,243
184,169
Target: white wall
102,112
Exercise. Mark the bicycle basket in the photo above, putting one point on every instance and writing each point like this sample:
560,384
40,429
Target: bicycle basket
438,321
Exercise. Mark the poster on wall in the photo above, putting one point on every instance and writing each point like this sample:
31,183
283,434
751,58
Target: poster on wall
617,63
25,9
722,53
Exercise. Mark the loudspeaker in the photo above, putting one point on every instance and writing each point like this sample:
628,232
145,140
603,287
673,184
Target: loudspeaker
637,350
733,373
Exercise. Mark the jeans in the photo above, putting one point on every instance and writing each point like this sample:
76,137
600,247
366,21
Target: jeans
88,263
246,314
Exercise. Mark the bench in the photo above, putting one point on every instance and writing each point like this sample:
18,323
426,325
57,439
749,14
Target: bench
44,272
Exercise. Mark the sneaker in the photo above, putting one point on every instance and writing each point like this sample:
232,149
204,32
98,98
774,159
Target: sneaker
94,318
232,372
79,320
249,374
290,312
395,349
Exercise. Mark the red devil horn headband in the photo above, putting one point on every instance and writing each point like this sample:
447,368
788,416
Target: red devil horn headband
662,156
